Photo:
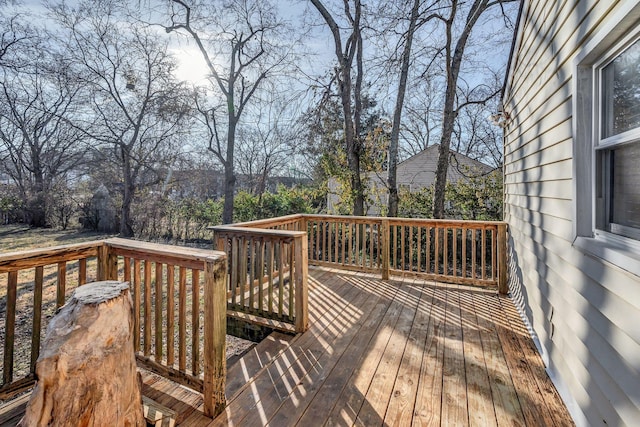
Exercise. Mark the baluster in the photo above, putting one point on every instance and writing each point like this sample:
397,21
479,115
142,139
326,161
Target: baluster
195,322
62,284
182,319
170,314
37,317
136,304
147,308
158,312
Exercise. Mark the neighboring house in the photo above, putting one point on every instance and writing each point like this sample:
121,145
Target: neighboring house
572,202
413,174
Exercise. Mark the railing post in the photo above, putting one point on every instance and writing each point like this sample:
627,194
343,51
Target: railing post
301,273
503,286
384,241
107,263
302,223
215,329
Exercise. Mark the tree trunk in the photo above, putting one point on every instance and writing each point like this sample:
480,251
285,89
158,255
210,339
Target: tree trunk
87,369
127,197
450,113
229,173
397,115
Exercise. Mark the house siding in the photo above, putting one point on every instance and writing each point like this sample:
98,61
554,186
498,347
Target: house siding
584,311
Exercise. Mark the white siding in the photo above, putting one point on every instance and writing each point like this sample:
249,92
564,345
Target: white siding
584,310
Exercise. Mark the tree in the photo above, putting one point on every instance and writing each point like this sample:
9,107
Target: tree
349,52
266,145
139,109
39,142
392,169
454,55
241,55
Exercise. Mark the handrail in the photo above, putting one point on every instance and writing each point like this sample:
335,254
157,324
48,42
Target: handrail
449,250
163,279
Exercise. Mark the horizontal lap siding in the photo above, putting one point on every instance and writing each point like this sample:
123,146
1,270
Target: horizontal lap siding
584,311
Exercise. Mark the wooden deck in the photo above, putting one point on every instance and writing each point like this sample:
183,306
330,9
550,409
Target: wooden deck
393,352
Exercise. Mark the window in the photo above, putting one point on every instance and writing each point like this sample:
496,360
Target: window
606,140
617,142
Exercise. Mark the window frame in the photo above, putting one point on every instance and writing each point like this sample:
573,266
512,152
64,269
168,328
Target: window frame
615,33
602,146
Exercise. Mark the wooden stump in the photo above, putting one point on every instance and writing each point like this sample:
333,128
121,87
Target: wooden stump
86,372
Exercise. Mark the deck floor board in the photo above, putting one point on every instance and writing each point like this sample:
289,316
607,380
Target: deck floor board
398,352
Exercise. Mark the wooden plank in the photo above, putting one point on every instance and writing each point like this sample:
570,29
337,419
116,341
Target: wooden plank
242,276
484,253
351,399
554,403
182,319
357,249
356,329
383,381
156,414
445,251
403,238
61,278
170,314
291,388
506,404
37,317
501,243
259,276
270,261
464,252
10,327
428,404
533,405
436,254
252,269
479,397
281,283
454,393
215,329
454,251
279,377
474,254
384,242
402,400
136,304
234,265
147,308
127,269
195,322
13,411
411,248
255,361
23,260
82,271
419,249
174,396
427,251
301,290
159,292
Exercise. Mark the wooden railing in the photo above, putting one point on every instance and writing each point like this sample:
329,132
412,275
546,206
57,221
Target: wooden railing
267,272
268,258
466,252
172,289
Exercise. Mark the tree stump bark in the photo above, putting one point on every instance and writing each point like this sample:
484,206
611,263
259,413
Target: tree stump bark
86,372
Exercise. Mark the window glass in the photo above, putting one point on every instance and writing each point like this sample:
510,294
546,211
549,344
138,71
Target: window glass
625,186
620,101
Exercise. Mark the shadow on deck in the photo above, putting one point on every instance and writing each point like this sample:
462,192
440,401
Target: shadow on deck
386,353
